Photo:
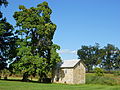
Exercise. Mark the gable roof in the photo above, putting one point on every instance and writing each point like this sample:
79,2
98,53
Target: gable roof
69,63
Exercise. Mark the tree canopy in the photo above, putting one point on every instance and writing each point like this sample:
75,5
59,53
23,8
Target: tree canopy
7,40
107,57
36,51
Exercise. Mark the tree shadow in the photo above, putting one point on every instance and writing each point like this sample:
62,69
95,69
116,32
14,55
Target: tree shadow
29,81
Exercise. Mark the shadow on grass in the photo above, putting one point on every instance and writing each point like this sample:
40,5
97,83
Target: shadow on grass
25,81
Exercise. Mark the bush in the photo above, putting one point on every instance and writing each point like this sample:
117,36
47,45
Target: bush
99,72
5,73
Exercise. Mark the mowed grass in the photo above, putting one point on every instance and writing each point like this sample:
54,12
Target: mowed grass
18,85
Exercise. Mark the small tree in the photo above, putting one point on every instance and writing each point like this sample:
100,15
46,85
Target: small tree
99,71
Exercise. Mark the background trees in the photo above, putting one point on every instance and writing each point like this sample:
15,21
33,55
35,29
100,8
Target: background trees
90,55
106,57
110,57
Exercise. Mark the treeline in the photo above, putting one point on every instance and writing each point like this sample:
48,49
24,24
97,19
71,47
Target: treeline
28,47
107,58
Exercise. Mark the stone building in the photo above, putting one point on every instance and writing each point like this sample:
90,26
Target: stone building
70,72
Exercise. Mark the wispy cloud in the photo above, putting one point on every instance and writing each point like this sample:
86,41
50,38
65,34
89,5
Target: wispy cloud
67,51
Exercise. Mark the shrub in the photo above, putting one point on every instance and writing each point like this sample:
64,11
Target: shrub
5,73
99,72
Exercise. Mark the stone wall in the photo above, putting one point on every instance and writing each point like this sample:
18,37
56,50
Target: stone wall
76,74
66,76
82,73
79,74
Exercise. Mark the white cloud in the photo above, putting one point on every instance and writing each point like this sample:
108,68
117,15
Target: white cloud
67,51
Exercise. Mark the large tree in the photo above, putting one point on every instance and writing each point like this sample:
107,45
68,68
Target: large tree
90,55
111,57
117,60
7,40
5,3
36,51
107,57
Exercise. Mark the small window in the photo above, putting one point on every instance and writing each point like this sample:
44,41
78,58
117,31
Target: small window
65,71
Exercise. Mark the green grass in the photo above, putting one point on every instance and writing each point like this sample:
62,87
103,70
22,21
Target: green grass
17,85
108,79
107,82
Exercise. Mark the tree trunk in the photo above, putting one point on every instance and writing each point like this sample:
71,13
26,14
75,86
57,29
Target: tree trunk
5,77
53,74
25,77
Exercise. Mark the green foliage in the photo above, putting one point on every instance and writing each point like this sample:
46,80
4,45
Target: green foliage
90,55
5,73
3,2
111,58
107,57
21,7
99,72
7,40
36,52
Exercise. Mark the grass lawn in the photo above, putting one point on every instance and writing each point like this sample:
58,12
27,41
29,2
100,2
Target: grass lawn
18,85
108,79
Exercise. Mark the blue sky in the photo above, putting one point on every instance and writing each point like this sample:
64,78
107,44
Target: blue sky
79,22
